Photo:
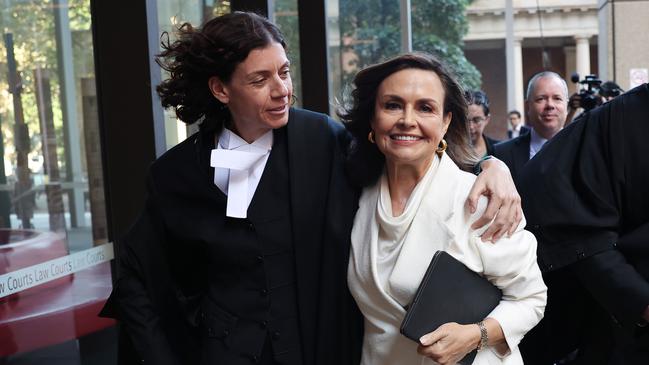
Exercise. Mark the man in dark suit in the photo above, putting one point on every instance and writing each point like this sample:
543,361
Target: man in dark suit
547,102
585,198
515,125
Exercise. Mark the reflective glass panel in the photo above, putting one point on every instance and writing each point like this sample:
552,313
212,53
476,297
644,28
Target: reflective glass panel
360,33
285,15
54,271
171,15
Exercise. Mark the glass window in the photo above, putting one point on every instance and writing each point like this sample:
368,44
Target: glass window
360,33
172,14
285,15
54,274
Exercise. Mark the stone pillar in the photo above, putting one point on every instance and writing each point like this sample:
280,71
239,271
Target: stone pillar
571,66
519,87
604,40
583,55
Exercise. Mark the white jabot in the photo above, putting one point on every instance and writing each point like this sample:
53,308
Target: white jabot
536,142
238,166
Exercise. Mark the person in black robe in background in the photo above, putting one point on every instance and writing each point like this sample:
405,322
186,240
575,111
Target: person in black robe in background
586,198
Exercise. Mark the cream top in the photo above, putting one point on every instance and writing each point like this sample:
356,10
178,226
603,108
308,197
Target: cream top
389,257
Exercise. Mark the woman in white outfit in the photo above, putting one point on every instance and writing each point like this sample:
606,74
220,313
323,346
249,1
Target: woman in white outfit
409,120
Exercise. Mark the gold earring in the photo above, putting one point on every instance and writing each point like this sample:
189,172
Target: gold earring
370,136
441,148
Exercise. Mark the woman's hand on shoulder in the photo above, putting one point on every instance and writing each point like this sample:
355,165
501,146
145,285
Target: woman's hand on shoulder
496,183
450,342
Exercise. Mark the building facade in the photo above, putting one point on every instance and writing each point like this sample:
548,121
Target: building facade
560,36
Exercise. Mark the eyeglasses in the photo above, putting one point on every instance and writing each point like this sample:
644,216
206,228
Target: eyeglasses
477,120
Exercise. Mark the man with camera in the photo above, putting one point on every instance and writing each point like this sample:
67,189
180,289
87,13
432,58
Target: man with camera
592,94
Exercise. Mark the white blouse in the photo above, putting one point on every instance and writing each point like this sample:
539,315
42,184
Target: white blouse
390,255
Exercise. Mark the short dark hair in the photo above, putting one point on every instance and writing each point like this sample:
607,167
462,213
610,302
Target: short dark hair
610,89
214,49
365,161
479,98
515,112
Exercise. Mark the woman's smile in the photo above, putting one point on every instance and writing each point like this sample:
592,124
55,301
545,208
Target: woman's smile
409,120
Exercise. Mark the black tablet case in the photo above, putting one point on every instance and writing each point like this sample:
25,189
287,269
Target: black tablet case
449,292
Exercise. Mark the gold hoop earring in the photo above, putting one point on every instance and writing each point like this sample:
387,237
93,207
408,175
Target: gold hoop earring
441,148
370,137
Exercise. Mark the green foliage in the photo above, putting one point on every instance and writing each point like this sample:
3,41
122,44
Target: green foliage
371,32
444,18
79,14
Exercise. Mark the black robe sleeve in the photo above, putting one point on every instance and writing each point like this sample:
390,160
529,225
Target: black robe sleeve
586,197
341,208
144,298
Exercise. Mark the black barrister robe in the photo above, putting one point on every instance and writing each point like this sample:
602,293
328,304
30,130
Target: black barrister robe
161,278
586,198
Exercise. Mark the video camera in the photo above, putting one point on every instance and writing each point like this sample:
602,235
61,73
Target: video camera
589,91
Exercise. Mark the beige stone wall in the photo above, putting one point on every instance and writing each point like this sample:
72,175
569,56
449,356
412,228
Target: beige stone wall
631,47
561,18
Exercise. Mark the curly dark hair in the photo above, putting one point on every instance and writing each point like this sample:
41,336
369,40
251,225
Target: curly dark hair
479,98
365,161
214,49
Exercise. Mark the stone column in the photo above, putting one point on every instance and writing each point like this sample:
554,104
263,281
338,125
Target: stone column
571,66
583,55
519,87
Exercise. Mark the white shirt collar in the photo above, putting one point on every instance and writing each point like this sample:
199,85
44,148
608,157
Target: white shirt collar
230,141
536,142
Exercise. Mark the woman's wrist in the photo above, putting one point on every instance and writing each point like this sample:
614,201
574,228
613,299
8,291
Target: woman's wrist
479,166
483,339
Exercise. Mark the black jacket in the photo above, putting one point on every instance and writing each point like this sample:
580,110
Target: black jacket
164,258
514,153
524,130
586,198
490,143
